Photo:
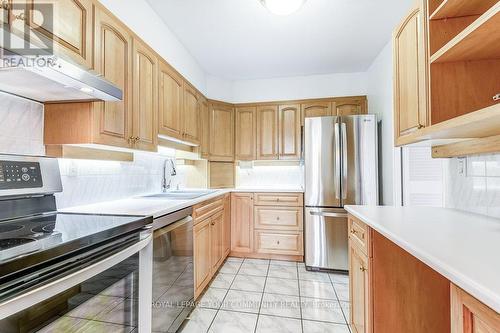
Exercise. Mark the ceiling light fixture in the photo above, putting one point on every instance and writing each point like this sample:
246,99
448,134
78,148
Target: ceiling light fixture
283,7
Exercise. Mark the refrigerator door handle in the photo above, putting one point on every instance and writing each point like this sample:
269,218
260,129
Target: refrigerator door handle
337,161
344,161
343,215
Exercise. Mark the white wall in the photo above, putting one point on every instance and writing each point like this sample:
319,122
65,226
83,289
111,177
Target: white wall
143,20
301,87
380,101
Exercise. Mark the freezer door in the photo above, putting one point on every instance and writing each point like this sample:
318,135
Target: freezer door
359,160
326,238
322,162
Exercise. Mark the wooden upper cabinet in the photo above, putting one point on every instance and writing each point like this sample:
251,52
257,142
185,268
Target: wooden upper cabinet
70,28
171,101
205,128
350,107
267,132
410,74
242,222
145,97
246,131
113,60
316,109
191,120
221,132
289,132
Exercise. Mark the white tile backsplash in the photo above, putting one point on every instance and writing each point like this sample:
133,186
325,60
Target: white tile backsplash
84,181
277,176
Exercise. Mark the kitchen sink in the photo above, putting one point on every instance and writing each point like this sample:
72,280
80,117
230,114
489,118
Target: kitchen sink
180,195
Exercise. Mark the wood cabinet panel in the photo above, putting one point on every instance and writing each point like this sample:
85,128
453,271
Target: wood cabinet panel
267,132
216,239
359,291
468,315
279,242
202,256
68,24
246,131
226,226
278,218
205,128
207,208
221,132
289,132
410,73
171,101
113,59
242,222
191,120
359,235
316,109
145,98
279,199
350,106
221,174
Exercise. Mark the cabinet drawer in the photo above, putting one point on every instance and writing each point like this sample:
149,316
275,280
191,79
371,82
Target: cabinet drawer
279,218
359,235
279,199
205,209
276,242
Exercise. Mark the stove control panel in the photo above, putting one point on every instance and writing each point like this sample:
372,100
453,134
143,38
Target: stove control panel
17,175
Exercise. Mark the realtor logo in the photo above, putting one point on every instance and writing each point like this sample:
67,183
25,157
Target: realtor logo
25,28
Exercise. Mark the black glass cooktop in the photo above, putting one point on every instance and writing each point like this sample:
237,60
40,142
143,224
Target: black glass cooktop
47,236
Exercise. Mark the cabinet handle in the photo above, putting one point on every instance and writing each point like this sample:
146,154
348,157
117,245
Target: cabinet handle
213,223
278,242
361,268
420,126
354,232
278,218
5,5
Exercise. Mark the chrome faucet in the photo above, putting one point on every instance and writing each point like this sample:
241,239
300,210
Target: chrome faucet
164,185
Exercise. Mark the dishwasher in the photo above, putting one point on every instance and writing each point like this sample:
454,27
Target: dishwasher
173,277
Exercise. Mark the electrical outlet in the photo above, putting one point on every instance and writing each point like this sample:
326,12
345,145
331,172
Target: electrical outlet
462,166
73,169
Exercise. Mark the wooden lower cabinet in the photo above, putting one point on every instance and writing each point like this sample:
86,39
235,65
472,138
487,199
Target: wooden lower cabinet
242,222
226,226
210,238
202,256
267,231
468,315
359,291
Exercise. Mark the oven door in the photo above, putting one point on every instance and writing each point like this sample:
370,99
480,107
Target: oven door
97,291
173,277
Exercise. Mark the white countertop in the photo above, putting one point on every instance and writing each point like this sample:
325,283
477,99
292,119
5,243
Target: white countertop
156,207
463,247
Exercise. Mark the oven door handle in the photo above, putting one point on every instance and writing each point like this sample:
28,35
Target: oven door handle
163,230
35,296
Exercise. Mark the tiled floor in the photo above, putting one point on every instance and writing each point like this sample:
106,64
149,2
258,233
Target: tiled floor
264,296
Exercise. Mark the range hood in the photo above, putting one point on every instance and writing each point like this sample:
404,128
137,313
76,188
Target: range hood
52,79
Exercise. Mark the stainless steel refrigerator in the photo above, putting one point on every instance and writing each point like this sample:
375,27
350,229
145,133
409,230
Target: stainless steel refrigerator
341,168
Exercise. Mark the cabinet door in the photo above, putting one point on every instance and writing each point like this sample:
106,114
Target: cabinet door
226,226
468,315
289,132
68,24
145,85
170,101
351,107
221,133
113,59
202,255
267,132
246,131
205,128
242,222
216,238
410,101
316,109
358,290
191,120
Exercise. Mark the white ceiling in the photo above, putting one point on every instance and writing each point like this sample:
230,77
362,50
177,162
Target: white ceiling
240,39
